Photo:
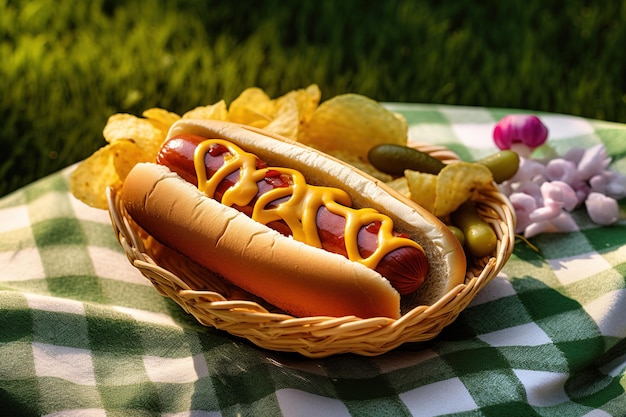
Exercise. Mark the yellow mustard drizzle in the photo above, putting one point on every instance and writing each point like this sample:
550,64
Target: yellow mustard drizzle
299,212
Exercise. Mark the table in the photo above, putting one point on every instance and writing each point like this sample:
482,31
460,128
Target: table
82,333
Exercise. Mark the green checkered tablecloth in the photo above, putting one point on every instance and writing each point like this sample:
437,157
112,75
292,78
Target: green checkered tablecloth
82,333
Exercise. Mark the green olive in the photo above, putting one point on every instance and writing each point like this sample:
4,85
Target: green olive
395,159
458,233
480,239
503,165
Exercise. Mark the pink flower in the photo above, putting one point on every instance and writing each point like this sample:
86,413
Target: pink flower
616,184
574,155
594,161
523,204
602,209
562,223
529,170
529,187
520,128
582,190
561,192
560,169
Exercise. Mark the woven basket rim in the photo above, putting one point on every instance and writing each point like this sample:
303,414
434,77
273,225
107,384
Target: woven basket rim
320,336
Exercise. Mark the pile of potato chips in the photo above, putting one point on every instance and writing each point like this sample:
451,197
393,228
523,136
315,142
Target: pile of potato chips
346,126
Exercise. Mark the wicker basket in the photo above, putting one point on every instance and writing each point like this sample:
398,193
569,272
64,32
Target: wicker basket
214,302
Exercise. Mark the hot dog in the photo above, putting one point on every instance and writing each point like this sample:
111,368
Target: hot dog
405,266
222,195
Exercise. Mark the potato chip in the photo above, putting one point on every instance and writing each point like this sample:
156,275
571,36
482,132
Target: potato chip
106,167
252,107
217,111
304,101
401,185
140,130
404,125
353,123
90,179
308,100
458,182
284,115
293,110
422,188
127,154
286,119
161,118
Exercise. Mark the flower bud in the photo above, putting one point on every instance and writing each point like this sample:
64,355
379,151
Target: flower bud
520,128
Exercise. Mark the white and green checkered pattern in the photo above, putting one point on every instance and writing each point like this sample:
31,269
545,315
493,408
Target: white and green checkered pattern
82,333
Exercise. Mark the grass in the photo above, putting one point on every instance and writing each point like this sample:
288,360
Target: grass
65,66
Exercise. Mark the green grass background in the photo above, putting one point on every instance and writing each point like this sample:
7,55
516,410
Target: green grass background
65,66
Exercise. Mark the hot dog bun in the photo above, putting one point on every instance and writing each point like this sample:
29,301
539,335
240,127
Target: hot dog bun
297,278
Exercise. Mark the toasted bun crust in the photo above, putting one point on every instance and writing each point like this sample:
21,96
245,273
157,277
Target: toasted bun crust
298,278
